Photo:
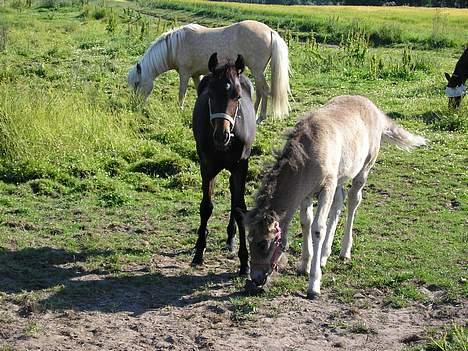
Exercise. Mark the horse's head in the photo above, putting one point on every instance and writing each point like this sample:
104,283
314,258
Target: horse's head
140,82
224,93
265,242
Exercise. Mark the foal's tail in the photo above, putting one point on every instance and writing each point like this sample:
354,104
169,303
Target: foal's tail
279,76
400,137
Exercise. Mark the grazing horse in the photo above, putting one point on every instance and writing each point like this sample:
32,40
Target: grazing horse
188,48
224,130
456,83
336,143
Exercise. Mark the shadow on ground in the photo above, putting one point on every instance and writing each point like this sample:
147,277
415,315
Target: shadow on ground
37,269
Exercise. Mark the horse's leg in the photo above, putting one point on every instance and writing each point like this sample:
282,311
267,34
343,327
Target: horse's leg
231,228
333,218
183,84
206,208
238,207
319,227
263,90
354,199
307,216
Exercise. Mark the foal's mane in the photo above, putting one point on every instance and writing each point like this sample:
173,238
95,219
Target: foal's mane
293,156
162,52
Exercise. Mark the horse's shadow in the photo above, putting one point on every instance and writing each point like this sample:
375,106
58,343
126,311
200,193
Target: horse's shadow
55,276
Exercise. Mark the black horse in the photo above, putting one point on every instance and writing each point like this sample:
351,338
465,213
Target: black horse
456,83
224,129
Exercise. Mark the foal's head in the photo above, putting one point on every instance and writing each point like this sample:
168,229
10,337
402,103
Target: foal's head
224,93
265,243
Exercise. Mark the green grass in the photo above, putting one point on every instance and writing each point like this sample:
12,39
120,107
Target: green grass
91,183
426,27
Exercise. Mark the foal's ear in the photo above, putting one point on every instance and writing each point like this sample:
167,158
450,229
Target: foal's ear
213,62
447,76
240,64
138,67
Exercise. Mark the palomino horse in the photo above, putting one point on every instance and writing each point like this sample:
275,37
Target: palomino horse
224,129
338,142
188,48
456,83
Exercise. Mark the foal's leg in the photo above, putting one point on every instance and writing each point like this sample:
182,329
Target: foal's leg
238,207
354,199
206,208
307,216
319,227
183,84
333,218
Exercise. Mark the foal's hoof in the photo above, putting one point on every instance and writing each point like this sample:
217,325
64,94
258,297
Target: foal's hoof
312,295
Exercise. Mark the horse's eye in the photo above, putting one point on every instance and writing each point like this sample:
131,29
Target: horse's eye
228,86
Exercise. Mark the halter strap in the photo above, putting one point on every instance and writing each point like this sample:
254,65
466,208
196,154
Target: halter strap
221,115
278,248
459,90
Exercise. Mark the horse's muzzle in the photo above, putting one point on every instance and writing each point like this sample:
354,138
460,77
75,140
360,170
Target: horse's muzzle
454,102
222,140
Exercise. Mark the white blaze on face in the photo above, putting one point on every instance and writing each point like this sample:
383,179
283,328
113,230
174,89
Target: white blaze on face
455,92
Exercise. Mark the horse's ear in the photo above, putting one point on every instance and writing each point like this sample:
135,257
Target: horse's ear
213,62
138,67
240,64
447,76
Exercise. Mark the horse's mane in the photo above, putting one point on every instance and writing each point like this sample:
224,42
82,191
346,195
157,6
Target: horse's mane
293,156
162,52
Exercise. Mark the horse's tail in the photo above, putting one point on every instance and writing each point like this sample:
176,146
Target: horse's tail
279,76
400,137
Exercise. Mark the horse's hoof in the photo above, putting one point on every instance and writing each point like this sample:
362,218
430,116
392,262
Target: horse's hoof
197,261
244,272
346,260
230,247
312,295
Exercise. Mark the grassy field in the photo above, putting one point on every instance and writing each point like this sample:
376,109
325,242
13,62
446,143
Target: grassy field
92,182
425,27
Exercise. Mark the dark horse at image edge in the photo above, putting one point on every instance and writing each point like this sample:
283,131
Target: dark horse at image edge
224,128
456,82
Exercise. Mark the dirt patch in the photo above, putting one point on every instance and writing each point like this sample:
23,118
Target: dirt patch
169,308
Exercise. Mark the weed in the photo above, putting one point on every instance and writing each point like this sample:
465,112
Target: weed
243,309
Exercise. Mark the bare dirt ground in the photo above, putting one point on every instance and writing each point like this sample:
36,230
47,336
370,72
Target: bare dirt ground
167,308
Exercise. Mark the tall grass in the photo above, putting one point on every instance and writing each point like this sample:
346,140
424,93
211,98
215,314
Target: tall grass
43,129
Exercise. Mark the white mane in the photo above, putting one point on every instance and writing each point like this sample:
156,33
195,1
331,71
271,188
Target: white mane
160,55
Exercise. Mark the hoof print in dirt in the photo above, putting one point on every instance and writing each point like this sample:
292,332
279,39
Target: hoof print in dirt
252,289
